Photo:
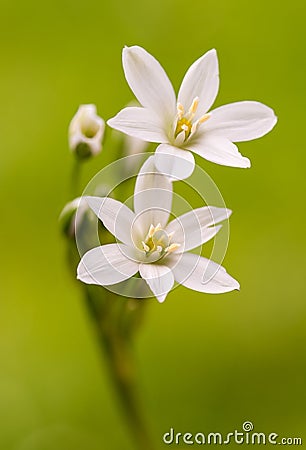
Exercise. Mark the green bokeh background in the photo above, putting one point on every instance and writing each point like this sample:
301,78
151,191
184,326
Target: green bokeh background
206,363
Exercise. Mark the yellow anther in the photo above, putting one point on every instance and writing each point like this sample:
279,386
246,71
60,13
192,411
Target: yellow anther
158,241
151,231
185,122
194,106
199,121
172,248
180,110
203,118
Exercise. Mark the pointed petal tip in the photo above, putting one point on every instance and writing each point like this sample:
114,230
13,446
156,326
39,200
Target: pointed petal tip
161,298
79,275
275,119
113,123
212,51
246,163
129,47
126,50
235,284
81,279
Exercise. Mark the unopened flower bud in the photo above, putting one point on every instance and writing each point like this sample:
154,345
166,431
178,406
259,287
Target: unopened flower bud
86,132
67,217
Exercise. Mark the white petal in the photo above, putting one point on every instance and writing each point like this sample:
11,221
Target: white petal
149,82
201,274
152,196
116,217
197,226
174,162
201,80
241,121
141,123
219,150
209,233
106,265
159,278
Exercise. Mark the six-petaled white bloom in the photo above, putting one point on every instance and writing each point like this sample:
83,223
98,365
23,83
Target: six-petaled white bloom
86,131
184,125
148,244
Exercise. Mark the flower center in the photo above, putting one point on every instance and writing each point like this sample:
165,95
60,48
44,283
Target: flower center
185,123
157,240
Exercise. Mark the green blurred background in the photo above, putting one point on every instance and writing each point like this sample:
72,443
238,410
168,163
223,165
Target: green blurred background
206,363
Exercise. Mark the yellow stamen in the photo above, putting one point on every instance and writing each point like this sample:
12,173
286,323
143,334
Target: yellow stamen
199,121
158,227
194,106
158,240
184,121
172,248
180,110
151,231
204,118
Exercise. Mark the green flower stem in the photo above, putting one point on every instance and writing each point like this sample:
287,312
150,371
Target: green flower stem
75,177
116,321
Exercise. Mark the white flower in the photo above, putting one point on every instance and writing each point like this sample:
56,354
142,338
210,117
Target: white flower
86,131
148,244
184,125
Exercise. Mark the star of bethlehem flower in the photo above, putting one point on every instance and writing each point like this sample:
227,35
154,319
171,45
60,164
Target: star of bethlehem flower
151,245
86,131
185,124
